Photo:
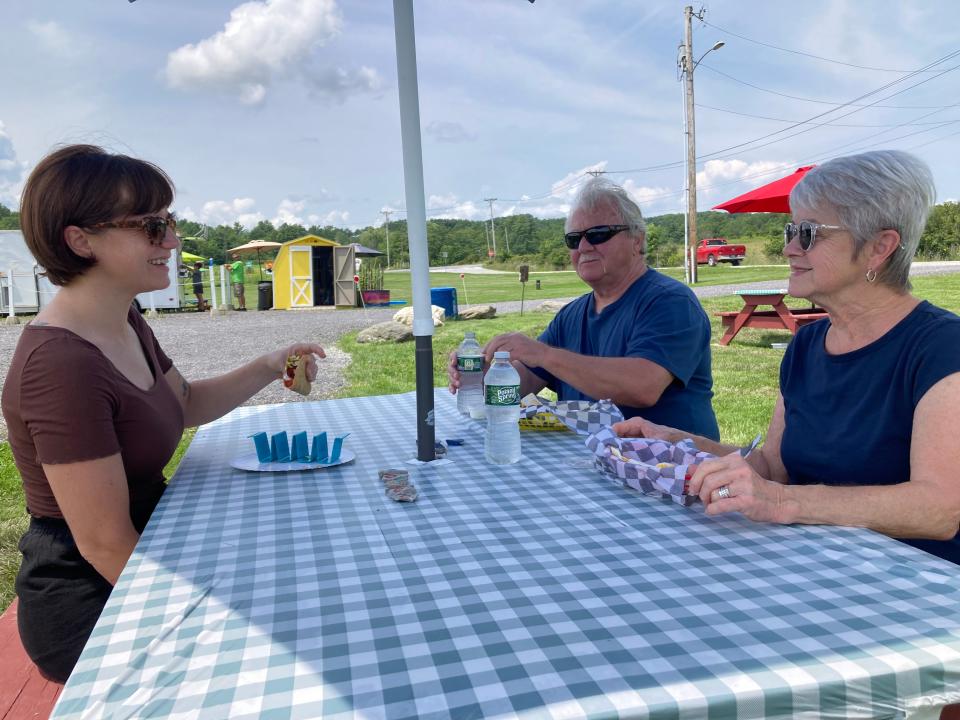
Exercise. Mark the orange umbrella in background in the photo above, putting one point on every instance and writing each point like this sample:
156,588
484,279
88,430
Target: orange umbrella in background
773,197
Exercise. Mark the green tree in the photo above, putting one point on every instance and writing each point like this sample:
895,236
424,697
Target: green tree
9,219
941,237
263,230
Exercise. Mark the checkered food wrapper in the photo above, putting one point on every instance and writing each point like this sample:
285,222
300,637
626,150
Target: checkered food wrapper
654,467
584,417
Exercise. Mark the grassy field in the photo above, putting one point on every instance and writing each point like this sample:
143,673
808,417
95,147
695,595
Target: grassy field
476,289
745,385
491,288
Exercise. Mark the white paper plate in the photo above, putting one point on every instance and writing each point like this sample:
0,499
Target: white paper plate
251,463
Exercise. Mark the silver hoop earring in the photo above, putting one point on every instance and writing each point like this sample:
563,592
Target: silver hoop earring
871,276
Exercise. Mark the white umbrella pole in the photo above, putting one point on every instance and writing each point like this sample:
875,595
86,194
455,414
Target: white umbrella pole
416,223
225,303
213,290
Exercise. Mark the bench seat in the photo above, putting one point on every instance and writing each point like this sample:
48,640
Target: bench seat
24,692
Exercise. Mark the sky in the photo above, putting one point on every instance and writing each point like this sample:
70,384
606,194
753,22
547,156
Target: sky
287,110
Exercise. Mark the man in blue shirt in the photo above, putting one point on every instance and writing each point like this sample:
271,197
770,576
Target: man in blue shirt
639,338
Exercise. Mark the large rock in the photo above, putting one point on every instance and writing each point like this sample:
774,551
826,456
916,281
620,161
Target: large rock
385,332
551,306
477,312
405,316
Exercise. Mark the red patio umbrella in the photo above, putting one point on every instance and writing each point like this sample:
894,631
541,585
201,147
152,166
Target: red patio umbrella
773,197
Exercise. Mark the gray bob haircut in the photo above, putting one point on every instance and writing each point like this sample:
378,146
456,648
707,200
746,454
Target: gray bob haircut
870,192
600,193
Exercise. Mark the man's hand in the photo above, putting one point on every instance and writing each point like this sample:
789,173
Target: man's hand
453,373
638,427
522,348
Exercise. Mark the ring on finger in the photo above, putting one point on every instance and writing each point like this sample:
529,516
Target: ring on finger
723,492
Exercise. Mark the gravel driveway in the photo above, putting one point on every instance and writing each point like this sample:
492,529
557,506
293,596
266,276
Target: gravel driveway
202,346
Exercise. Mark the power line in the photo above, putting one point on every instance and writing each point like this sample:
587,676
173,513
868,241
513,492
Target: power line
831,124
856,110
930,142
812,100
806,54
719,154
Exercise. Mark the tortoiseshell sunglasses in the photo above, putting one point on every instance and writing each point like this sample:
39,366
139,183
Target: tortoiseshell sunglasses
153,226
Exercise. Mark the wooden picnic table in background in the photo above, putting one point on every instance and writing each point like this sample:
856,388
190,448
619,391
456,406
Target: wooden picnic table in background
780,317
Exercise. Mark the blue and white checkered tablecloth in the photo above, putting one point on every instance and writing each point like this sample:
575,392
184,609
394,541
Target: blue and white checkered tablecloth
539,590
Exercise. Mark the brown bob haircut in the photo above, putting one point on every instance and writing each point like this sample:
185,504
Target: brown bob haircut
84,185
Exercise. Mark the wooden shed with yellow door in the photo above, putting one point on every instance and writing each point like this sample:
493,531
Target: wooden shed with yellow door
312,271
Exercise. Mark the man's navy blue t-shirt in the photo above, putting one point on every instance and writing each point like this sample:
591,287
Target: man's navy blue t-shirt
849,417
660,320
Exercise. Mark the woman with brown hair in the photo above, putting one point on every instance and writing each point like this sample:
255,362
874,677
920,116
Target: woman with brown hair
94,407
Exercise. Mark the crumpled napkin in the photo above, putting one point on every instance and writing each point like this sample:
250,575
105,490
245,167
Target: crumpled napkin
654,467
584,417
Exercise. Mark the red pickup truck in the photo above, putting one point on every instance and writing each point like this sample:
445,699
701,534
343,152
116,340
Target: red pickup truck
714,250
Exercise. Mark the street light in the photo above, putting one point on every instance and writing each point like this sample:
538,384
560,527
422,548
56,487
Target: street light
687,66
716,46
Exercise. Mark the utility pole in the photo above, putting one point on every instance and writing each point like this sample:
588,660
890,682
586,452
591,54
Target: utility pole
687,66
493,228
690,247
386,223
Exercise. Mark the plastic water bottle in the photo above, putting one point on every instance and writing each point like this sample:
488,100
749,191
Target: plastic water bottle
470,365
501,388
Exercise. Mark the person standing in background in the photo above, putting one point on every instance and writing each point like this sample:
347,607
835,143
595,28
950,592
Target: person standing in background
236,277
197,277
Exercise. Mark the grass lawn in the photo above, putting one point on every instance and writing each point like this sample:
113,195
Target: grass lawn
745,385
475,289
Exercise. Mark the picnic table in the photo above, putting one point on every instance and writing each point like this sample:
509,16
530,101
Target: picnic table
780,317
540,589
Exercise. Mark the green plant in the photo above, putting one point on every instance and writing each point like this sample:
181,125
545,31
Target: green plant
371,275
773,248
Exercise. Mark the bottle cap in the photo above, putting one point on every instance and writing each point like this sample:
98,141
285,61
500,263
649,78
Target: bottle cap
501,355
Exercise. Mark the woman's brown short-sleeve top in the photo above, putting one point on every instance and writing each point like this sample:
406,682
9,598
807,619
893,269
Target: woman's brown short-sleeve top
64,402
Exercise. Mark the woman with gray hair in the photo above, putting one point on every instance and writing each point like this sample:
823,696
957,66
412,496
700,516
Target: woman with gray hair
862,432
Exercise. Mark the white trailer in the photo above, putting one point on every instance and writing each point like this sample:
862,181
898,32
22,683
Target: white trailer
32,291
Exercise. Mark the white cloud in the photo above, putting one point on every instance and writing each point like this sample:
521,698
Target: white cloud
289,212
570,183
557,202
449,132
450,206
292,212
653,200
337,218
340,83
53,39
225,212
724,179
13,173
260,42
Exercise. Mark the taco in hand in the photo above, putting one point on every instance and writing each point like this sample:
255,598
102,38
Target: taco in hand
295,375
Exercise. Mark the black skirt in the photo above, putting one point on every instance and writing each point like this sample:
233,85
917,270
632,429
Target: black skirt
61,597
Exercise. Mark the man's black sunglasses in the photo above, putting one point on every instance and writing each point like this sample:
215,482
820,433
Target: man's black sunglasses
597,235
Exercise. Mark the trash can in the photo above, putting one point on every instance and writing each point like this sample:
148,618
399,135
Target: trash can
445,297
264,295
